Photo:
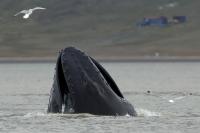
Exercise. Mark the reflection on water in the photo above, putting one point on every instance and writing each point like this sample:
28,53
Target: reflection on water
25,92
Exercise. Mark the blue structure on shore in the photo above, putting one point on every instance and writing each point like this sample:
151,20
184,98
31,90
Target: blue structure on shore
179,19
154,21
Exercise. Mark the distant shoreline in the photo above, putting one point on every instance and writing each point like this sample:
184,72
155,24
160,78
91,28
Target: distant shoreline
103,59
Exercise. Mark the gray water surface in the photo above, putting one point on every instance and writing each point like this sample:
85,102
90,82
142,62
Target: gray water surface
25,87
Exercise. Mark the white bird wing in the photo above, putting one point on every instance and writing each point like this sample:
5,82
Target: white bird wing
23,11
38,8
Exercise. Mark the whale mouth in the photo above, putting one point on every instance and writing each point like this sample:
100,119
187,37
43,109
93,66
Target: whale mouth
64,89
82,85
67,106
61,80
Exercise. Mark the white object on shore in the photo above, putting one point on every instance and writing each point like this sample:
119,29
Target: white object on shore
169,5
28,12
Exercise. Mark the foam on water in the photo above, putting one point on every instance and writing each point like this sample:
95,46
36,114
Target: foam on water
34,114
147,113
67,115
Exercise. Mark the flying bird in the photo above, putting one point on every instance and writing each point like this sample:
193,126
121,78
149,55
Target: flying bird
28,12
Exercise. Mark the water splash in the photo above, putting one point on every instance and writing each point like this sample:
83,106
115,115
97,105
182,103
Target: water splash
147,113
140,112
64,115
127,115
34,114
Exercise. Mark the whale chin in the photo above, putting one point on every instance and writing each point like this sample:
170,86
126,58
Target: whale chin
82,85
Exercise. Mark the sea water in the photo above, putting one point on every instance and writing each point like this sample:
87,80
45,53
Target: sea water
25,87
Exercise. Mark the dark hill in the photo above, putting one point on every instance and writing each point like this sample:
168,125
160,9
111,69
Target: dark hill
101,27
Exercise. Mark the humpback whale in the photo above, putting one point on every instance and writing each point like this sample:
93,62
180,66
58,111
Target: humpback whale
82,85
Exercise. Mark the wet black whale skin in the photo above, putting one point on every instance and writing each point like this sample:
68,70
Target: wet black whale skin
89,86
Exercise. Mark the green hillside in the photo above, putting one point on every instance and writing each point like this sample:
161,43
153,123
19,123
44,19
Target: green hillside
100,27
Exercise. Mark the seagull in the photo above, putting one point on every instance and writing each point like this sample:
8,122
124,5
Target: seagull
28,12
